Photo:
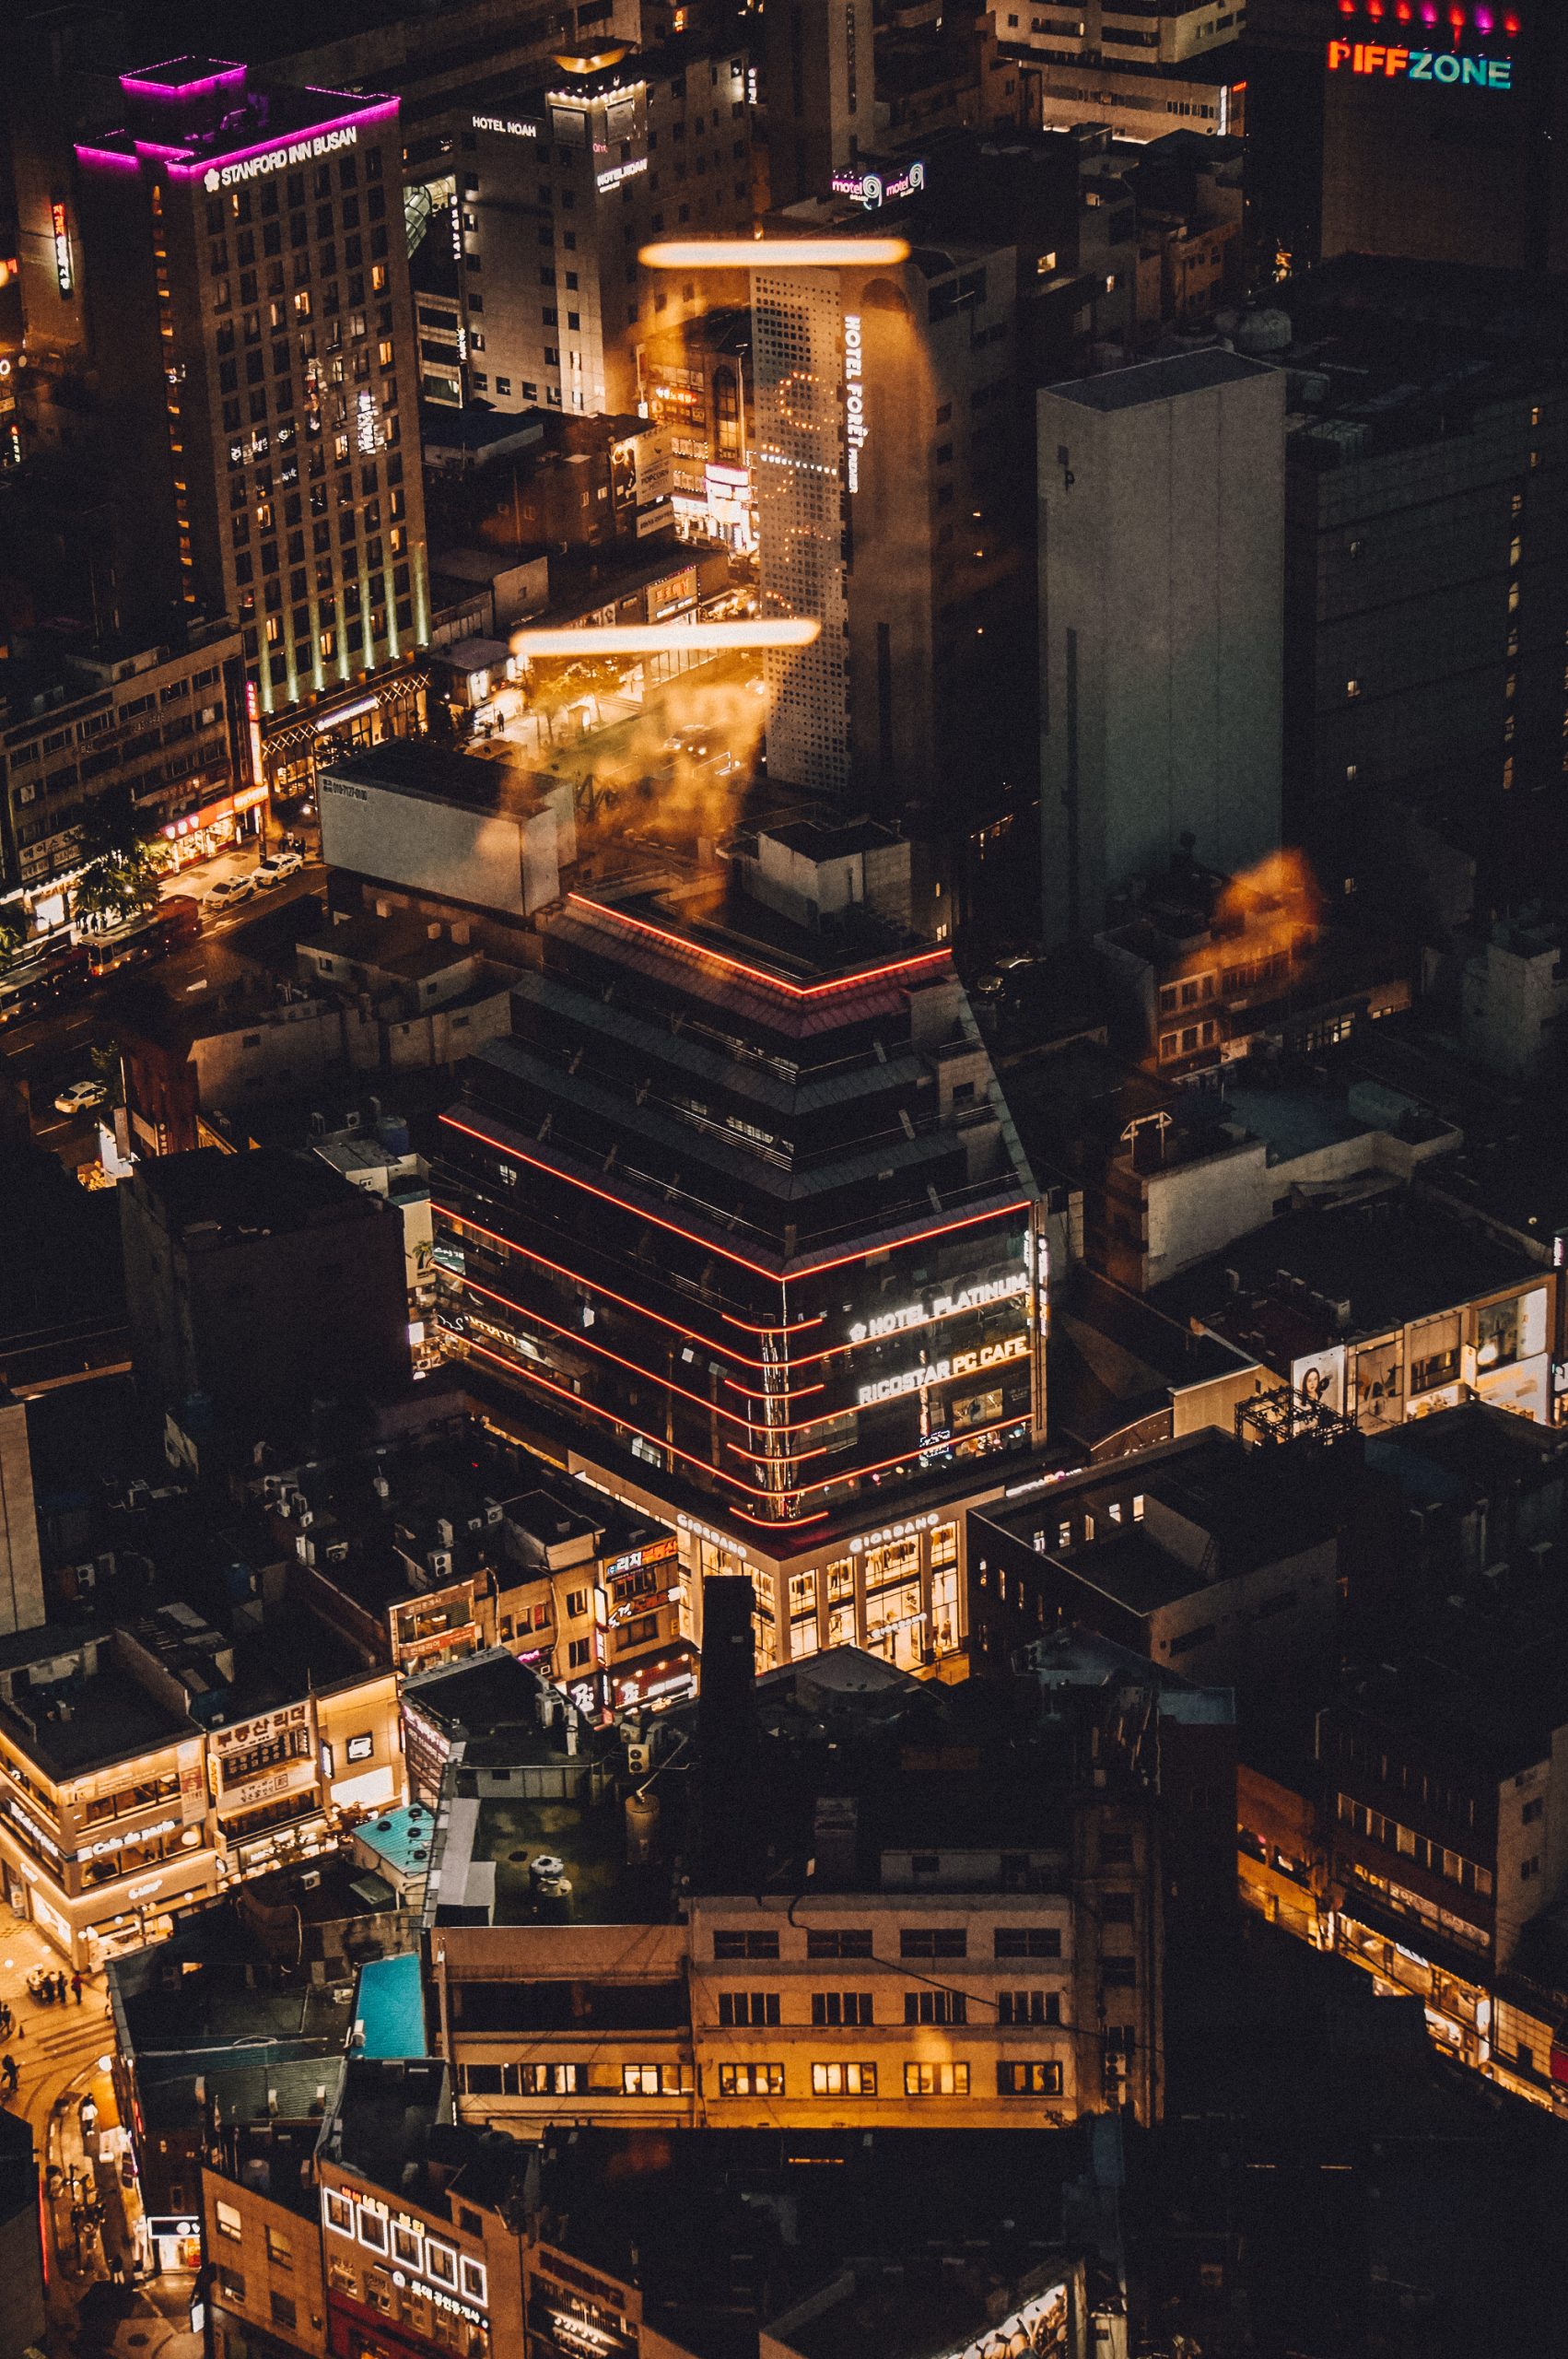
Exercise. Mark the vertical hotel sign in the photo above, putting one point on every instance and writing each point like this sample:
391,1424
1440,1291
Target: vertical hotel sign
60,227
855,428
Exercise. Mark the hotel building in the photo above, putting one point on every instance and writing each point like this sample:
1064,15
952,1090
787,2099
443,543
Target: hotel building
552,194
747,1231
248,277
887,461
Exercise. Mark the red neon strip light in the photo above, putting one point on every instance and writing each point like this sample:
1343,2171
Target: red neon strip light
710,1408
573,1336
791,1393
777,1278
687,1334
505,1146
780,1523
760,974
941,1228
520,1367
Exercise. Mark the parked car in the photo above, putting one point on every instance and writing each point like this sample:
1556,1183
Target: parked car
228,894
274,868
82,1097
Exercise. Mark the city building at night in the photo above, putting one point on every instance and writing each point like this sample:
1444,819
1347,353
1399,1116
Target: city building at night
1425,611
1143,70
247,272
1162,515
907,547
740,1220
279,1247
387,2229
547,192
964,1924
163,725
427,1552
1384,1307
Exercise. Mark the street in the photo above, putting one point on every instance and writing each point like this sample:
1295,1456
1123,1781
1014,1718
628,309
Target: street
46,1053
62,2053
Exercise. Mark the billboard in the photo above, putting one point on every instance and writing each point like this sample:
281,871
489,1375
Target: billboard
487,860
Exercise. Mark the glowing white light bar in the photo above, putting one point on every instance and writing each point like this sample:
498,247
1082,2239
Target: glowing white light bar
774,254
659,638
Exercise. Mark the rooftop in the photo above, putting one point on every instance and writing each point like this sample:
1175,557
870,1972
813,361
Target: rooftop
674,2213
1160,380
430,774
199,115
211,1198
1320,1276
86,1719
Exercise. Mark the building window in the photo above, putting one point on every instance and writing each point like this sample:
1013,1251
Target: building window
935,2007
934,1941
843,2080
740,2007
280,2252
282,2310
835,2007
1027,1941
1028,2006
232,2285
936,2080
1037,2079
726,1945
751,2079
648,2081
849,1941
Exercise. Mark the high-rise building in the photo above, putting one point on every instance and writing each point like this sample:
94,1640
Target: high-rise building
1162,522
1425,607
887,510
247,276
554,192
741,1219
1140,67
821,94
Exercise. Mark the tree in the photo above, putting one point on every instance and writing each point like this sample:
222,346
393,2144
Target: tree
117,877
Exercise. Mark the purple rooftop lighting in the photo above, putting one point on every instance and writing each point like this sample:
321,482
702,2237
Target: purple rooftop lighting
183,78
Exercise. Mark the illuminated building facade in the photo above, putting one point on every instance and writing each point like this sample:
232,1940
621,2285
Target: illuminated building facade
1143,69
754,1235
552,194
885,467
248,278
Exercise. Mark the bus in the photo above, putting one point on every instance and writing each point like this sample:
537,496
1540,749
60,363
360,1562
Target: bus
38,979
175,920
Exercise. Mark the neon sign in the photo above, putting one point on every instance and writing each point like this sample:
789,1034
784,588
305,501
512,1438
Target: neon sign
930,1372
278,160
855,427
972,1296
869,189
1395,64
513,130
61,227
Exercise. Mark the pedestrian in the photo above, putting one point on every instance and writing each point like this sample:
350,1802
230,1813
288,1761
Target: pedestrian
76,1988
9,2073
60,1988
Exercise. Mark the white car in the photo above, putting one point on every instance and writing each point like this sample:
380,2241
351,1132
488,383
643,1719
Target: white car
274,868
228,894
82,1097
